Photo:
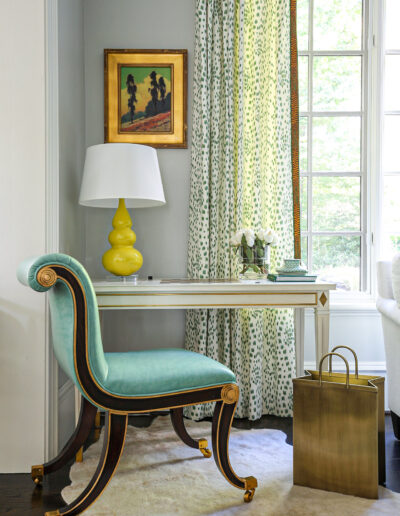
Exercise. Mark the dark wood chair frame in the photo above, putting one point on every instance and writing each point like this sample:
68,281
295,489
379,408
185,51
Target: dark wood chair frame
118,408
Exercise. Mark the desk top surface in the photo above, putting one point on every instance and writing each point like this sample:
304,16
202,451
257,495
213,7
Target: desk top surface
127,286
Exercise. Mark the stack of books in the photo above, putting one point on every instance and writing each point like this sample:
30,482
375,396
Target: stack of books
292,276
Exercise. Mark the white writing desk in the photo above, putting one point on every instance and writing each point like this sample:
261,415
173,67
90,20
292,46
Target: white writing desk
156,294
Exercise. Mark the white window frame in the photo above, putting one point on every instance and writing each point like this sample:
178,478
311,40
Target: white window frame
378,63
376,45
367,112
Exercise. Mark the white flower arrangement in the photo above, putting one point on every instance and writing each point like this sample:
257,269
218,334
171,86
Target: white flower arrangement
252,245
249,237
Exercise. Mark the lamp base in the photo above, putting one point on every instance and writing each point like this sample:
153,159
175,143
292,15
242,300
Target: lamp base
122,259
132,279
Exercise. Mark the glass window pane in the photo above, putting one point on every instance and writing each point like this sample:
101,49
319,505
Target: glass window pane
337,83
302,24
337,259
392,24
391,136
336,203
303,83
390,245
303,203
336,144
391,204
337,24
304,252
392,83
303,143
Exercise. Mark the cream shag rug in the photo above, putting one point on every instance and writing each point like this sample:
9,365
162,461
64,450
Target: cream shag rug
160,476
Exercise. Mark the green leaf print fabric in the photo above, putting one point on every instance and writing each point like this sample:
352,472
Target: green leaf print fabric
241,176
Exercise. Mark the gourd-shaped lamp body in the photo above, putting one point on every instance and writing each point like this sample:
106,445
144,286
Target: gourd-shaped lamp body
129,173
122,259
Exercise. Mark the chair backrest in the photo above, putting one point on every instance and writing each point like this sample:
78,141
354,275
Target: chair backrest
74,313
384,276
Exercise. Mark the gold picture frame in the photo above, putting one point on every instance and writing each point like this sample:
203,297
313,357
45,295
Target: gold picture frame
145,97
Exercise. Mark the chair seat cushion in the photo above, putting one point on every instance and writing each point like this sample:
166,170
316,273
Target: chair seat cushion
162,371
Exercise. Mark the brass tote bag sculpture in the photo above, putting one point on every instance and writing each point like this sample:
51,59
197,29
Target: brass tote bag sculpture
339,430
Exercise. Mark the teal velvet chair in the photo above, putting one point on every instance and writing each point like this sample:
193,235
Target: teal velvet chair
124,383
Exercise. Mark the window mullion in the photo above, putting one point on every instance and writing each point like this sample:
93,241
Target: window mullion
309,134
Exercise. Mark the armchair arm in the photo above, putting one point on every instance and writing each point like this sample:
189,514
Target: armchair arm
389,308
76,335
31,271
27,273
384,276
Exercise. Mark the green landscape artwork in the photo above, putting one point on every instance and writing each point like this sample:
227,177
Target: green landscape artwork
145,101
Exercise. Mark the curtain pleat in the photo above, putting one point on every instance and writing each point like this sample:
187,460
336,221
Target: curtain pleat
241,176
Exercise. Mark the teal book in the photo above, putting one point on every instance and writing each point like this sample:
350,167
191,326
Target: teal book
291,278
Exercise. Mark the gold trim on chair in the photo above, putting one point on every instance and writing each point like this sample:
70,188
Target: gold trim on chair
230,394
46,277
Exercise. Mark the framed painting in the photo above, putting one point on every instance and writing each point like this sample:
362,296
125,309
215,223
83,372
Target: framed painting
145,97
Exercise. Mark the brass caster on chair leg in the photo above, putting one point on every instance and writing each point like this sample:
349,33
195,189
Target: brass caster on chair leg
37,473
206,452
248,495
250,486
203,448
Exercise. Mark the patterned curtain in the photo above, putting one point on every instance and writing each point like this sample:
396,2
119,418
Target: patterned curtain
241,176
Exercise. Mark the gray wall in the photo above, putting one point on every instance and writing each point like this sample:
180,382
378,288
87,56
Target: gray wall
71,159
71,125
162,233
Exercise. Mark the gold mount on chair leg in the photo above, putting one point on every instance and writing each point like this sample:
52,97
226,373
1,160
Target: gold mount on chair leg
250,486
37,473
52,513
97,426
79,455
203,447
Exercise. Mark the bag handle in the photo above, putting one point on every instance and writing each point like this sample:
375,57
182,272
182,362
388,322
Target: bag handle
354,355
344,360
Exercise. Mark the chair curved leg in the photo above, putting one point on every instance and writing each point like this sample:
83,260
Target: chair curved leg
180,430
113,445
76,441
221,426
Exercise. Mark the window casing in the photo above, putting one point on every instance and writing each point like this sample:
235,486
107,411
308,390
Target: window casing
333,80
388,102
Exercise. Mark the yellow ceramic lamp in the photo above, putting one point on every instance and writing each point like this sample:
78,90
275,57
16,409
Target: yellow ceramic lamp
122,259
127,174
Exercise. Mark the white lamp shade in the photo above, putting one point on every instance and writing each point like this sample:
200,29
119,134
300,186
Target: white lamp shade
121,171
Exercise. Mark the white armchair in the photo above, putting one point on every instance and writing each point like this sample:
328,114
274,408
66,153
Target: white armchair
390,312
